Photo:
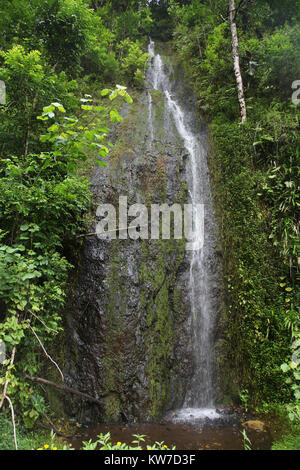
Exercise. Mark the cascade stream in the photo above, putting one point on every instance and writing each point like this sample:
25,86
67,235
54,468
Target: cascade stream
199,398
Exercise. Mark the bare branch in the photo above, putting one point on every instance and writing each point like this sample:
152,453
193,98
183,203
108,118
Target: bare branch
92,234
238,8
51,428
64,388
46,354
12,420
38,318
6,397
224,19
12,358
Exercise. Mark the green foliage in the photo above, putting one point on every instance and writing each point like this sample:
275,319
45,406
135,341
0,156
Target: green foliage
288,442
131,20
63,30
70,139
73,38
277,149
247,442
255,313
38,217
255,174
162,26
292,370
133,61
276,60
104,443
280,13
26,440
255,171
30,84
131,23
43,201
42,208
68,30
244,397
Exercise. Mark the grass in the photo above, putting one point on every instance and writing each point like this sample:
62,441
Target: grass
289,441
27,440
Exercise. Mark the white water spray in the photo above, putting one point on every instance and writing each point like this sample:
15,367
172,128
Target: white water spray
199,400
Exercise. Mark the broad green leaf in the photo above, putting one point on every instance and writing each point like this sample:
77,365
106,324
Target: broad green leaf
115,116
284,367
105,92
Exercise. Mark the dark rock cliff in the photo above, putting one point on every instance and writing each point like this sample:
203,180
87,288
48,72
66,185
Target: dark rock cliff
129,326
128,321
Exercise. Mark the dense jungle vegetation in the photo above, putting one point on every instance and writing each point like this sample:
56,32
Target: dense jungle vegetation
255,171
67,66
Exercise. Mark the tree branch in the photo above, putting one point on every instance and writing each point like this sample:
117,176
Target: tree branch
12,358
46,354
6,397
64,388
38,318
12,420
238,8
52,428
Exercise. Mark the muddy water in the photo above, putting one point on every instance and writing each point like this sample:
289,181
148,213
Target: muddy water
182,436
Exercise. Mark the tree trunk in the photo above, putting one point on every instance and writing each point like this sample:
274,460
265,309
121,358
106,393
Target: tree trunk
236,61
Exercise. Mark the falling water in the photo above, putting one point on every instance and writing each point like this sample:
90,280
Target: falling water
150,107
199,400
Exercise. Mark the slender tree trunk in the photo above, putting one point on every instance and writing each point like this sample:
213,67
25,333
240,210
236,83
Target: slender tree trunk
236,61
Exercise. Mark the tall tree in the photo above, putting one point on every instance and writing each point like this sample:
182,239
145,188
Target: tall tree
236,60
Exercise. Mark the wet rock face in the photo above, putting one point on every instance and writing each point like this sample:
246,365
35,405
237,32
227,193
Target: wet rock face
128,319
141,324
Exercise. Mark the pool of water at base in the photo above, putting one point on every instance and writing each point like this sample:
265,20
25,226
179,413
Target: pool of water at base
200,433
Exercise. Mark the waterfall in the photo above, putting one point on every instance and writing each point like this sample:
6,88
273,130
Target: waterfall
202,274
141,325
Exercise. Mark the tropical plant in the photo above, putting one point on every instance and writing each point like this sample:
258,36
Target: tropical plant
42,207
104,443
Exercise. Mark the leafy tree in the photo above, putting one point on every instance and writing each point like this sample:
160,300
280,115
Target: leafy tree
30,84
68,30
64,31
